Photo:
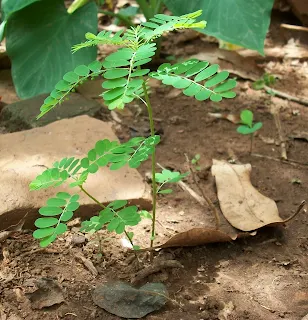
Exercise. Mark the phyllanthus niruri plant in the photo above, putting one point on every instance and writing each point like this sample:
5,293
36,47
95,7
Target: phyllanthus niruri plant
125,80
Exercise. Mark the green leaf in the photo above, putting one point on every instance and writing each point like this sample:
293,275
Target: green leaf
56,202
257,126
71,77
72,206
120,228
247,117
50,211
61,228
206,73
106,215
165,191
117,204
145,214
118,165
47,241
115,73
41,56
113,224
10,6
245,130
82,70
42,233
93,168
67,215
45,222
241,22
63,195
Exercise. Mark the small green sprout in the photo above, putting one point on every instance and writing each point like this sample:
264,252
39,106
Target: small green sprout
266,80
248,127
195,162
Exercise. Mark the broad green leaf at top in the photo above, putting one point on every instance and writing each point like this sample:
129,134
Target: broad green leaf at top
42,55
241,22
247,117
10,6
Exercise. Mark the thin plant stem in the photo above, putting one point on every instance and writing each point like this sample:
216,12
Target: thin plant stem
154,186
104,207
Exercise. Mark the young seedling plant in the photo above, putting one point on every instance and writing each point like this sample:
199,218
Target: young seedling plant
248,126
125,79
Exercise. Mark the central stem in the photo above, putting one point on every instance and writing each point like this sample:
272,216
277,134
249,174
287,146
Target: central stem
154,186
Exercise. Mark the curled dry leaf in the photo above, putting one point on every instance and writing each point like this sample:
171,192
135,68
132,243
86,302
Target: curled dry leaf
241,203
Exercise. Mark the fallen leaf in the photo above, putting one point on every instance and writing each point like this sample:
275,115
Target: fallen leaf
233,62
243,206
196,237
48,294
125,301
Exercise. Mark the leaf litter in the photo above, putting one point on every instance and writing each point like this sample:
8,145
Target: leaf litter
243,209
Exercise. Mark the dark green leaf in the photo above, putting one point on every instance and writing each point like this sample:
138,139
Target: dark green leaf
120,228
240,22
85,163
71,77
50,26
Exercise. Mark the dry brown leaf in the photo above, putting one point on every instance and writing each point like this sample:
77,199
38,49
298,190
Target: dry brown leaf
243,206
233,62
196,237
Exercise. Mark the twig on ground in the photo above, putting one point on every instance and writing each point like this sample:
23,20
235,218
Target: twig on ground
292,27
87,263
185,187
207,199
299,209
289,161
287,96
156,267
282,140
45,250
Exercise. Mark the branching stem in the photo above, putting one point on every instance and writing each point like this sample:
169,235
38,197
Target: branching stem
104,207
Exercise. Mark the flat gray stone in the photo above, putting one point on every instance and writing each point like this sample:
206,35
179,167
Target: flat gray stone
21,115
24,155
125,301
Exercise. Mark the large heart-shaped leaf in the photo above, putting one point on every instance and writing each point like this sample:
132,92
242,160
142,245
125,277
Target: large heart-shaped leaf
241,22
10,6
39,41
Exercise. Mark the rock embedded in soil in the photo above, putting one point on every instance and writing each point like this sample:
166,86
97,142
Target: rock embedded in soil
125,301
26,154
21,115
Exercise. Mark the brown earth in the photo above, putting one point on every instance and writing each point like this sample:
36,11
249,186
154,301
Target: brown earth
263,277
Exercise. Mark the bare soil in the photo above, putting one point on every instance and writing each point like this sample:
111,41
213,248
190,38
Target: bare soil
261,277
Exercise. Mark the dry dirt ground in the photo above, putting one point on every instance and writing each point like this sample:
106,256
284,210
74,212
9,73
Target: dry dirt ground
263,277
